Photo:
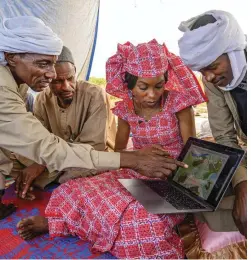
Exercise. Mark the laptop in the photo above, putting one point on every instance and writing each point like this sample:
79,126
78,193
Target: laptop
200,187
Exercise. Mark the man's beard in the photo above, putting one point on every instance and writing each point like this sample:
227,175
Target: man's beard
67,101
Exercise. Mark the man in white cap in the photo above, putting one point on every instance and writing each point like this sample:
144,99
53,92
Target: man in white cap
28,53
214,44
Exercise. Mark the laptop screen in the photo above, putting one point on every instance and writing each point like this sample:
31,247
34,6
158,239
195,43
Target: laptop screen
211,167
205,167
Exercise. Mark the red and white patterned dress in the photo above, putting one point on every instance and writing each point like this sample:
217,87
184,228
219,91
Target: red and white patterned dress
99,209
163,128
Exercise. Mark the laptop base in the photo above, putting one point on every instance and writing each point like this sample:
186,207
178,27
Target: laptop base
151,201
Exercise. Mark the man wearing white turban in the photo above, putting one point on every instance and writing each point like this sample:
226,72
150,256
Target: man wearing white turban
214,44
28,53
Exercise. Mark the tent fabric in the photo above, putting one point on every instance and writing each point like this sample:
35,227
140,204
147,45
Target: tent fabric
93,48
75,22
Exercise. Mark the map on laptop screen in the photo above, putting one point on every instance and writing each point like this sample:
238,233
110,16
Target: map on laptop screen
204,170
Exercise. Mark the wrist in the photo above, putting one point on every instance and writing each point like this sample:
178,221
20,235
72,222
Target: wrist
40,167
128,160
241,188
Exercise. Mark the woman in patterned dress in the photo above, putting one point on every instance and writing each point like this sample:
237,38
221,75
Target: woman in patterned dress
157,92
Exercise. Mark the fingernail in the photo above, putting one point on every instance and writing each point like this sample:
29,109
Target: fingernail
186,166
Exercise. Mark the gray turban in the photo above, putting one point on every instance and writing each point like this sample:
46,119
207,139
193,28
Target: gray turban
66,56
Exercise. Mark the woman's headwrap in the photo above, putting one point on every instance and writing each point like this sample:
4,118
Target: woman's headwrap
146,60
27,34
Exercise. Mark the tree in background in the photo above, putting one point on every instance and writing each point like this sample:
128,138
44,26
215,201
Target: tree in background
101,82
98,81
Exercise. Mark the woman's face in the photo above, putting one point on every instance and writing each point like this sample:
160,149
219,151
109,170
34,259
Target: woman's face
148,91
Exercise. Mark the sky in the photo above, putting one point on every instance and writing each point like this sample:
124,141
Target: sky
140,21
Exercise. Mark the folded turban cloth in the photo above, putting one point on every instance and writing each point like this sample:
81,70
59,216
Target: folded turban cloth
202,46
27,34
147,60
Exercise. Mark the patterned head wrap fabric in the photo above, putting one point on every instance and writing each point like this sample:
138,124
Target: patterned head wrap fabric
146,60
27,34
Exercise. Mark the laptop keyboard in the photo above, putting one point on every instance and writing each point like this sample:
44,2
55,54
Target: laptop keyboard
173,195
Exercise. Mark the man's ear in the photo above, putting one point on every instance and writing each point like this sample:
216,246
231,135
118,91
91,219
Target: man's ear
11,58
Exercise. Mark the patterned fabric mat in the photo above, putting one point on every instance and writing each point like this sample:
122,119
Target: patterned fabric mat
41,247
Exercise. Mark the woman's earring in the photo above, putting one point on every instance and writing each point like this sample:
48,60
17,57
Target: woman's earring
130,94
